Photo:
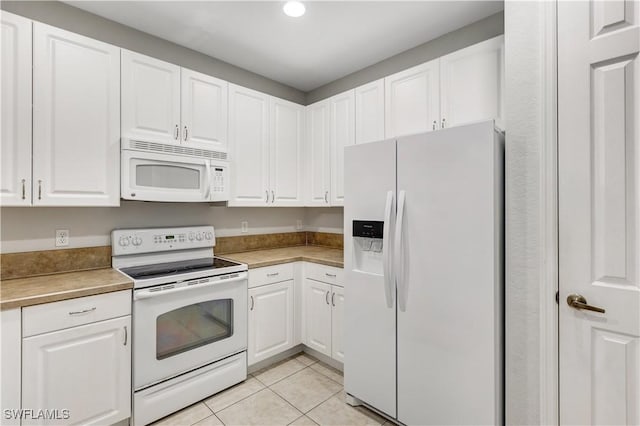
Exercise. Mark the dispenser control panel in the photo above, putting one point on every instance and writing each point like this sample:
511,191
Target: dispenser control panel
368,228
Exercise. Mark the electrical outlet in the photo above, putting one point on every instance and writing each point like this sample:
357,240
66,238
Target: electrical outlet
245,226
62,237
298,224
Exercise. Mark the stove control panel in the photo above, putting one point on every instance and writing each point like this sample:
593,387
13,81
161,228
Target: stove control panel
153,240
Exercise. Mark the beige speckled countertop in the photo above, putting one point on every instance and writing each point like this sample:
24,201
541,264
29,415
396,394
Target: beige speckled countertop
21,292
315,254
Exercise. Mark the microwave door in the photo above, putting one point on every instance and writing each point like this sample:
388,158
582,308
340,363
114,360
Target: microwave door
168,178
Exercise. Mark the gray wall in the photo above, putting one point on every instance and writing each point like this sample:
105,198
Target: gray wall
484,29
79,21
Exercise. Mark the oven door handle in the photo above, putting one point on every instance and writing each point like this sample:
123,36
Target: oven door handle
149,294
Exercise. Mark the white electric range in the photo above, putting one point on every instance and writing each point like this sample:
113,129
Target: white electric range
189,317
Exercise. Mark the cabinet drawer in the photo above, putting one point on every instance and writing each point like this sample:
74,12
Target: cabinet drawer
270,274
70,313
324,273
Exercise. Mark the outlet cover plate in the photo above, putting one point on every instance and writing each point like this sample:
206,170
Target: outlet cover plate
62,237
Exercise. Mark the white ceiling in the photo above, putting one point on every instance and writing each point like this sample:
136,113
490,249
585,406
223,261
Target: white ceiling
331,40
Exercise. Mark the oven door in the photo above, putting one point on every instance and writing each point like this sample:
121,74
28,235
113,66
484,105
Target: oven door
149,176
179,329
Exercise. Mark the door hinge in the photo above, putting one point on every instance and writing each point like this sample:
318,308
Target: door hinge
557,297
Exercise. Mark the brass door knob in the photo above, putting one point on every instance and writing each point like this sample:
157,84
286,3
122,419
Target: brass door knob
577,301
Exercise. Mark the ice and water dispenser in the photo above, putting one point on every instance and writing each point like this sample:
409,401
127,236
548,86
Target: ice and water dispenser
367,250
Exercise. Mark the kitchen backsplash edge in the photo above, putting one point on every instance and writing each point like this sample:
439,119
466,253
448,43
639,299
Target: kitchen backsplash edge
45,262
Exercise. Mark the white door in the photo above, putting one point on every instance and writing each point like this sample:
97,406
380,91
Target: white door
150,99
270,320
318,159
369,101
342,134
85,369
337,323
412,100
286,150
599,211
370,308
249,147
204,110
317,311
472,84
76,120
449,278
15,145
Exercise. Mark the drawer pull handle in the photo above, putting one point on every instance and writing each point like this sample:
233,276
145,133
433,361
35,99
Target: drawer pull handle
330,275
126,336
274,274
84,311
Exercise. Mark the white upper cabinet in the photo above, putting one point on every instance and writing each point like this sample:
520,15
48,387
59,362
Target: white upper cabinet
369,100
286,148
318,158
472,84
204,110
15,145
150,99
412,100
76,120
249,147
342,134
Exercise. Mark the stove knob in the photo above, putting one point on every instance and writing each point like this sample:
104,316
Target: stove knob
209,235
137,241
191,236
199,237
124,241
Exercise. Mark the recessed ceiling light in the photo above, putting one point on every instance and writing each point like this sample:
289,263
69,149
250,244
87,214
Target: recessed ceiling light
295,9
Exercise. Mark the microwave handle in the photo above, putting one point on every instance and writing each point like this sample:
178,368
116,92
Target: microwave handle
207,194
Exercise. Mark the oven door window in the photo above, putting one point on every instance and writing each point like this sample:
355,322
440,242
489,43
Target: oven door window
167,176
193,326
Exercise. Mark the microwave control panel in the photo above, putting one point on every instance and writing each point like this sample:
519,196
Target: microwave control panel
151,240
219,183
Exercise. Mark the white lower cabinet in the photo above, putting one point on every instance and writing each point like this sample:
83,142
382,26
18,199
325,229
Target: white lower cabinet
337,323
76,365
317,312
271,313
324,311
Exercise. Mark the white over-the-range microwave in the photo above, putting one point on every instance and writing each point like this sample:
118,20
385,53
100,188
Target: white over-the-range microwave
172,173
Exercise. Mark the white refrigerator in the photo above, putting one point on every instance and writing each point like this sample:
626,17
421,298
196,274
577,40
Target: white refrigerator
424,289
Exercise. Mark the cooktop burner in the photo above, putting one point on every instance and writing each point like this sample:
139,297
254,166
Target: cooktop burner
173,268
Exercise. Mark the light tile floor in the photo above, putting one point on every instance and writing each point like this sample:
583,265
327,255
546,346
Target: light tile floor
296,391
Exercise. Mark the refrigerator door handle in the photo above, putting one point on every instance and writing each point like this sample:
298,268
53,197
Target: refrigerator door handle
387,269
398,254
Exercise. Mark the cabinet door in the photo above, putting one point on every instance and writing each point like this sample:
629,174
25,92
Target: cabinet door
472,83
286,180
150,99
370,112
85,369
337,323
204,110
15,115
317,311
318,160
249,147
412,100
76,120
342,134
270,320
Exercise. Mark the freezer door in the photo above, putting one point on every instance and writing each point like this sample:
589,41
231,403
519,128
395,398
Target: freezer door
369,314
449,277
